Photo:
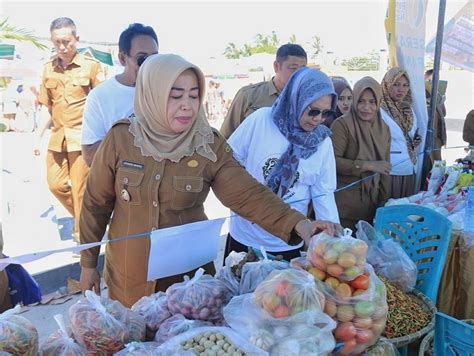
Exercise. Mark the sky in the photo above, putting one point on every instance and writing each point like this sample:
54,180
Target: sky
198,29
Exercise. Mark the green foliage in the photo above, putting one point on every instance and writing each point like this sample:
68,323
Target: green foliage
261,44
362,63
8,31
231,51
316,44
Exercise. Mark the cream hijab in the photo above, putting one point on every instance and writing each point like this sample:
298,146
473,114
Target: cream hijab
150,127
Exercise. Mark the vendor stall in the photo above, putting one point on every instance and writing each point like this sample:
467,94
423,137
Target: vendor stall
456,291
447,192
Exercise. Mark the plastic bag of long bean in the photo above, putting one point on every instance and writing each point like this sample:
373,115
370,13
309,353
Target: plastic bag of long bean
18,336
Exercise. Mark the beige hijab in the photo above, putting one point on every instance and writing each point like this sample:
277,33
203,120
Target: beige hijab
400,111
150,128
372,137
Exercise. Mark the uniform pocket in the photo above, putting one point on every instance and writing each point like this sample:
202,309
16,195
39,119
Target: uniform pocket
78,89
185,191
128,185
50,83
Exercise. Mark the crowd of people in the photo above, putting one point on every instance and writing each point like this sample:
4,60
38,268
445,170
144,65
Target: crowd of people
137,153
19,108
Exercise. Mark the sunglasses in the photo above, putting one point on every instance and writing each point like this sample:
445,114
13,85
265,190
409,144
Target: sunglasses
141,58
326,114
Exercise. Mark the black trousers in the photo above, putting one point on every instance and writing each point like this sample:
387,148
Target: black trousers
234,245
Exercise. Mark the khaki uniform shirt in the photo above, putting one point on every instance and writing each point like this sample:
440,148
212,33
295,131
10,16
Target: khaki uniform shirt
145,194
4,290
352,203
468,129
247,100
64,92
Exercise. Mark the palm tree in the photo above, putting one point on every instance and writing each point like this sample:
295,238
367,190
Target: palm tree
10,32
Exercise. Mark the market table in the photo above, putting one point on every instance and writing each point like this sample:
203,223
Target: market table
456,291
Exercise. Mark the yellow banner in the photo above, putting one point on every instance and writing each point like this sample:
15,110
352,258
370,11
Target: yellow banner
390,29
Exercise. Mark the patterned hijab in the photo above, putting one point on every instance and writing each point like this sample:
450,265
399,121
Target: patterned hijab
305,86
400,111
150,127
372,137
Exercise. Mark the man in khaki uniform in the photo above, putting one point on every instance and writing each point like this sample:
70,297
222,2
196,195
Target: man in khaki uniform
67,79
468,128
289,58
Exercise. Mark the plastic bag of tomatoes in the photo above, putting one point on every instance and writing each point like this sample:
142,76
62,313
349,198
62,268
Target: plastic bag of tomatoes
341,257
306,333
359,307
253,273
288,292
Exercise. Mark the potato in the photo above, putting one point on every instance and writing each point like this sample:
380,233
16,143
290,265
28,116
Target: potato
208,344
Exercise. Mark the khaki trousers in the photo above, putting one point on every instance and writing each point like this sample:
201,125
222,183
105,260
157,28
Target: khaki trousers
66,175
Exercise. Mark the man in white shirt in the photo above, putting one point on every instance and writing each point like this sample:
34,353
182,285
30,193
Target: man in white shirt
113,99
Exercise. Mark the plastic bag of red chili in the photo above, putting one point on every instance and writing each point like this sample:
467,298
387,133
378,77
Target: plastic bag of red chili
61,342
104,325
18,335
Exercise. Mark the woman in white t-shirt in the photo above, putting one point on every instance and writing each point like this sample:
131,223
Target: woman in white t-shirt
287,149
398,114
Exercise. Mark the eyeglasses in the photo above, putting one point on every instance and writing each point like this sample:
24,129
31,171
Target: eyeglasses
141,58
326,114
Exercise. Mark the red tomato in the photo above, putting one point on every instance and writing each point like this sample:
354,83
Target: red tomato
345,331
281,311
361,282
349,346
281,288
364,336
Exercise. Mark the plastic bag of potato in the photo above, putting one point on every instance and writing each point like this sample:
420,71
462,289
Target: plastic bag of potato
209,341
139,349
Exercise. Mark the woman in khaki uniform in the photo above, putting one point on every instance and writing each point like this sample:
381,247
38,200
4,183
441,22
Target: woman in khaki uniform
4,290
361,141
155,171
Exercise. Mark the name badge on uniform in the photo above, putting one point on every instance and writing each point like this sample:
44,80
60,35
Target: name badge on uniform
125,195
133,165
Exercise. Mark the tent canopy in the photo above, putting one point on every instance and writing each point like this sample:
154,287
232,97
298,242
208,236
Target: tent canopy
103,57
7,51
